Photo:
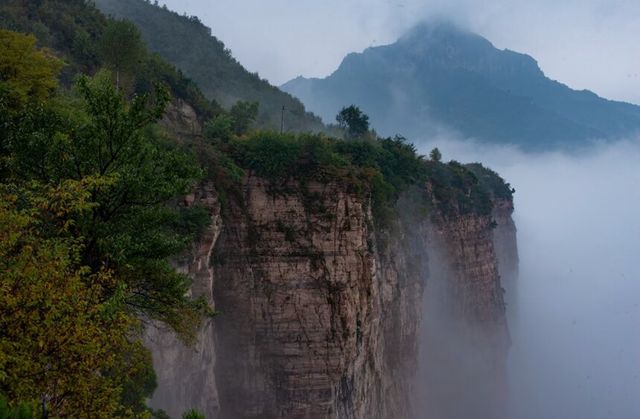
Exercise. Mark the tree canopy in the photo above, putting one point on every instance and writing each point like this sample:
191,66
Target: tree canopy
353,121
88,221
26,72
121,47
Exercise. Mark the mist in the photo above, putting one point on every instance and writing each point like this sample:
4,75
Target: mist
574,318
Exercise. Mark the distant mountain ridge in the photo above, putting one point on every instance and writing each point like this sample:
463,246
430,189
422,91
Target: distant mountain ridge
438,75
189,45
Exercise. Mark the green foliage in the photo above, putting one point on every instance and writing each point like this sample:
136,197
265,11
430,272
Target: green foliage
435,155
130,228
192,414
283,156
59,342
121,47
74,30
243,115
385,168
456,190
22,411
69,27
87,226
27,73
491,181
219,128
353,121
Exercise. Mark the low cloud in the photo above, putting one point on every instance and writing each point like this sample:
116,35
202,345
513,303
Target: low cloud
576,346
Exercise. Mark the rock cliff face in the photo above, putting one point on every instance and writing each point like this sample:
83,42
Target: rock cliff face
185,374
304,331
323,317
506,247
465,339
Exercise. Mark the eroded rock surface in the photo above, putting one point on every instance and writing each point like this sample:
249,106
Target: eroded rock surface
323,317
185,374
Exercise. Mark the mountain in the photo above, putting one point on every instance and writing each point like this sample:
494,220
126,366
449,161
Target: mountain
439,75
188,44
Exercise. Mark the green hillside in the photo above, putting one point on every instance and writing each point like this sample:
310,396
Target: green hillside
190,46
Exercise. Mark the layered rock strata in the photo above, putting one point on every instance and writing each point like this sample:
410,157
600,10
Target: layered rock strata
322,317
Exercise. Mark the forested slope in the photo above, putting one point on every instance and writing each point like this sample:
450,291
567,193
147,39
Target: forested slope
189,45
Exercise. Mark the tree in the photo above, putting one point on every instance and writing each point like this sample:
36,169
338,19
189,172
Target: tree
243,115
121,47
26,72
435,155
221,127
88,221
27,78
64,344
352,120
131,229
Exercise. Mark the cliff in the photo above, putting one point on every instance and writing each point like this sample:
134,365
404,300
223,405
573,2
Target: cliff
185,373
506,247
324,314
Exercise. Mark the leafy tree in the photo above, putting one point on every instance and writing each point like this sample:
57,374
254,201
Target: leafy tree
88,221
130,229
220,127
243,114
353,121
435,155
26,72
121,47
63,342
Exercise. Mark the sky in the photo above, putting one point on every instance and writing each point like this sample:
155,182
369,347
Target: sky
587,44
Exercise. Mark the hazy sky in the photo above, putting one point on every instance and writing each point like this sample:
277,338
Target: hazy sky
592,44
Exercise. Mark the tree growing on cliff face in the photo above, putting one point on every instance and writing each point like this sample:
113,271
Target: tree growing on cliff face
353,121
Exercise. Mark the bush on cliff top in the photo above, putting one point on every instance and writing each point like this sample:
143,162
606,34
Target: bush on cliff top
385,168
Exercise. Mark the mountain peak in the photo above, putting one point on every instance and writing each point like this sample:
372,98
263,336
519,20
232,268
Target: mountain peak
445,40
439,74
433,29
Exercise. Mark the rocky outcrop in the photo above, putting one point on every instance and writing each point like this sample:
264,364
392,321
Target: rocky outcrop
182,120
322,316
185,374
506,247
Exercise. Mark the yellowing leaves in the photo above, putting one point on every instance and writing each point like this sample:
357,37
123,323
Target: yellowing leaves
57,342
26,72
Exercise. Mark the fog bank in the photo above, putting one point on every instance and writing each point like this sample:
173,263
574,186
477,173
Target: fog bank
575,328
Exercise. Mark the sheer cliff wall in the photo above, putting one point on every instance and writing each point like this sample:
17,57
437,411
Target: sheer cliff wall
320,316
